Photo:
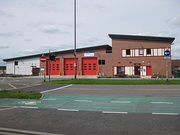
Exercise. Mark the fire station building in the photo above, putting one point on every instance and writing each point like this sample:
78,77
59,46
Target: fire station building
128,55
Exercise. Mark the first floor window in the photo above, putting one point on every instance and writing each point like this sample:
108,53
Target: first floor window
128,52
140,51
148,51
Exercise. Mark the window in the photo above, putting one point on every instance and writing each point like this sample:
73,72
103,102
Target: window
101,62
121,70
128,52
141,52
108,51
148,51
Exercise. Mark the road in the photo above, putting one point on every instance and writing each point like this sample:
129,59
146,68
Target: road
96,109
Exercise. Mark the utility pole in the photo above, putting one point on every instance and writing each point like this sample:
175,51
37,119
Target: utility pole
49,64
74,39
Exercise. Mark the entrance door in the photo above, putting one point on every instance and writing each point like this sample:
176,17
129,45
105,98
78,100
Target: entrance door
35,71
148,71
137,70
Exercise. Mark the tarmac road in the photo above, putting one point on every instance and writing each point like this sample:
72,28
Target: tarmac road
89,123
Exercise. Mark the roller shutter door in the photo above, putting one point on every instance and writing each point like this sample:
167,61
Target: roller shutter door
69,66
54,67
89,66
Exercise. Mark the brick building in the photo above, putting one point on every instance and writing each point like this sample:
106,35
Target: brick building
140,55
176,68
128,55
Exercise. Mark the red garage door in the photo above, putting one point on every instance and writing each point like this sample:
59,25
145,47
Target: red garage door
53,67
69,66
89,66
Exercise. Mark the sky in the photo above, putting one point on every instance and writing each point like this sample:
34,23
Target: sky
29,27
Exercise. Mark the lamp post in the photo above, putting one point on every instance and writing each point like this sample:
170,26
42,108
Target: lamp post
74,39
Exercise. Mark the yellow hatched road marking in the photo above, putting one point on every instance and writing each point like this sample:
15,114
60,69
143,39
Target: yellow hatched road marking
12,86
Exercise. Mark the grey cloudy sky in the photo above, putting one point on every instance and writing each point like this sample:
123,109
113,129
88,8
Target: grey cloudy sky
37,26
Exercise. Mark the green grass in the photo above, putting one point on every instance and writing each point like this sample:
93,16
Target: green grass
20,94
114,81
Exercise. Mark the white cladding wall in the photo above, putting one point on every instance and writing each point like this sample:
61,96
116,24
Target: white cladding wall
24,66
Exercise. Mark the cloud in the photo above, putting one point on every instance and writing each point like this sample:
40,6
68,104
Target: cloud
5,14
89,41
28,51
46,6
49,48
2,63
7,34
4,47
51,29
100,7
176,50
28,40
175,22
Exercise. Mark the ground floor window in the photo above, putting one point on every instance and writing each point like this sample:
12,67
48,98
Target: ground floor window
120,70
133,70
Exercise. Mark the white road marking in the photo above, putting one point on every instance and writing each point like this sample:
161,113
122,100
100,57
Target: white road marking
56,89
71,110
8,108
159,89
28,107
121,102
161,102
83,100
165,113
29,102
50,99
115,112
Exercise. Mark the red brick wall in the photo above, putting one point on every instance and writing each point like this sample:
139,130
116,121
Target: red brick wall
99,54
157,63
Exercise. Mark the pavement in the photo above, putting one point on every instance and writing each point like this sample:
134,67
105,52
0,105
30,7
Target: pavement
104,104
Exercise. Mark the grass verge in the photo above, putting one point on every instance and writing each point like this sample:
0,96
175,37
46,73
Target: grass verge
115,82
20,94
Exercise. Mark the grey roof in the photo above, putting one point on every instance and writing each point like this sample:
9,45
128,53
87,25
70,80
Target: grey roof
137,37
62,52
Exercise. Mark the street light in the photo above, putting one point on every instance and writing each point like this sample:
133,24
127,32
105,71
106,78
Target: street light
74,39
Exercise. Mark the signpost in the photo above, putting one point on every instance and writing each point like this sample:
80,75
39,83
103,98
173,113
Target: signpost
43,60
167,57
167,53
